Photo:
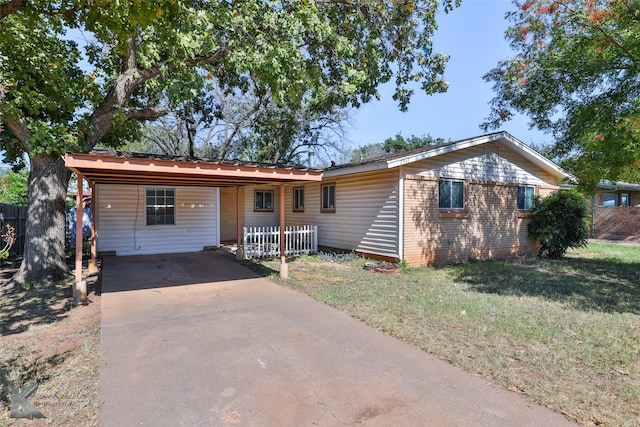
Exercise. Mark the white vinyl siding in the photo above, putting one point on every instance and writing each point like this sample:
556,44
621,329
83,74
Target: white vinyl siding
366,217
488,162
121,223
253,218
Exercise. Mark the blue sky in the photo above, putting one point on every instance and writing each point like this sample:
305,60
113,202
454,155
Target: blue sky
473,36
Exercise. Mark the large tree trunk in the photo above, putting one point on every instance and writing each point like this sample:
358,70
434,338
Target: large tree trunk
44,248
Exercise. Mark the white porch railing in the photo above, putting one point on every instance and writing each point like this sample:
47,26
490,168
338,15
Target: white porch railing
264,242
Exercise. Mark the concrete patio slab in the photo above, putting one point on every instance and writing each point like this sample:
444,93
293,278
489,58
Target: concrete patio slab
198,340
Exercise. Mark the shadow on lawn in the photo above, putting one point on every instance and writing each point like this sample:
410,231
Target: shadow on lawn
604,285
20,308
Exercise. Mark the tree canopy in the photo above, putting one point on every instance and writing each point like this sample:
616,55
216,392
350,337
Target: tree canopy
332,53
245,126
77,73
13,187
395,144
576,74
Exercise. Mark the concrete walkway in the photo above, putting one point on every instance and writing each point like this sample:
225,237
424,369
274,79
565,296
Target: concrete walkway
197,340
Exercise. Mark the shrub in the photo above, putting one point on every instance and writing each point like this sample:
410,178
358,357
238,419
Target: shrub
559,222
338,257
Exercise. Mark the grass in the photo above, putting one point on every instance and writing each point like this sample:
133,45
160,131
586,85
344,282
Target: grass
564,333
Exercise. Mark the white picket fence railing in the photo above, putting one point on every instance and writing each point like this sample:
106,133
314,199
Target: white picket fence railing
264,242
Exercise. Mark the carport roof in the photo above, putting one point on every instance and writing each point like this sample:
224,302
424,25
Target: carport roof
116,167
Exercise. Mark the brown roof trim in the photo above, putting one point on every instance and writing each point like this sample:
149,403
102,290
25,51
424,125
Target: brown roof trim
135,168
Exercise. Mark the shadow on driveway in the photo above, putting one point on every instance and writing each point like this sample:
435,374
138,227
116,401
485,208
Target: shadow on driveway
130,273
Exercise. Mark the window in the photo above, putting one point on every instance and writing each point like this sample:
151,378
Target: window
450,194
328,198
298,199
263,201
525,197
624,199
161,206
609,199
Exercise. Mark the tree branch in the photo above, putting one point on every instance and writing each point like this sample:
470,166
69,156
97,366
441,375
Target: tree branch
149,113
17,126
12,6
129,79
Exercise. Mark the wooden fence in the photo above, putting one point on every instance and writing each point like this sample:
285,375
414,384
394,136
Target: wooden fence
264,242
15,216
617,223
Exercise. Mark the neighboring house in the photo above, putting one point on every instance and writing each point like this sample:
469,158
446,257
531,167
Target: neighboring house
467,199
616,211
451,202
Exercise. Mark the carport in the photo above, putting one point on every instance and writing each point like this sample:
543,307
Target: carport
114,167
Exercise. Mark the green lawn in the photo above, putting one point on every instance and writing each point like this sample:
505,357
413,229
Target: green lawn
564,333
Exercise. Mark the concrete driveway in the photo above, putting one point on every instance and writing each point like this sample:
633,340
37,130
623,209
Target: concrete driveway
197,340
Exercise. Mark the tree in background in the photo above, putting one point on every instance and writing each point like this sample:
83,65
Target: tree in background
57,95
13,187
288,133
396,144
576,74
247,126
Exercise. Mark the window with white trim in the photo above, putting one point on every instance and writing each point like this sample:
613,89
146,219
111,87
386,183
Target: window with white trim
450,194
328,198
298,199
526,194
160,206
263,201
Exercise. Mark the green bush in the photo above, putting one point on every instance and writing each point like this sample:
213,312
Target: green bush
559,222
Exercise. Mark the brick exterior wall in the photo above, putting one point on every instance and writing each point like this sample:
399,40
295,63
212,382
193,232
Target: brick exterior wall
489,227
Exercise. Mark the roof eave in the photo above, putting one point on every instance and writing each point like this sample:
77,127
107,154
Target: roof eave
91,163
529,153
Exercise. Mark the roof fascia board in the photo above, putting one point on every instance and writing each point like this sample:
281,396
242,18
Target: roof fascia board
618,186
388,164
79,162
355,169
460,145
504,137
